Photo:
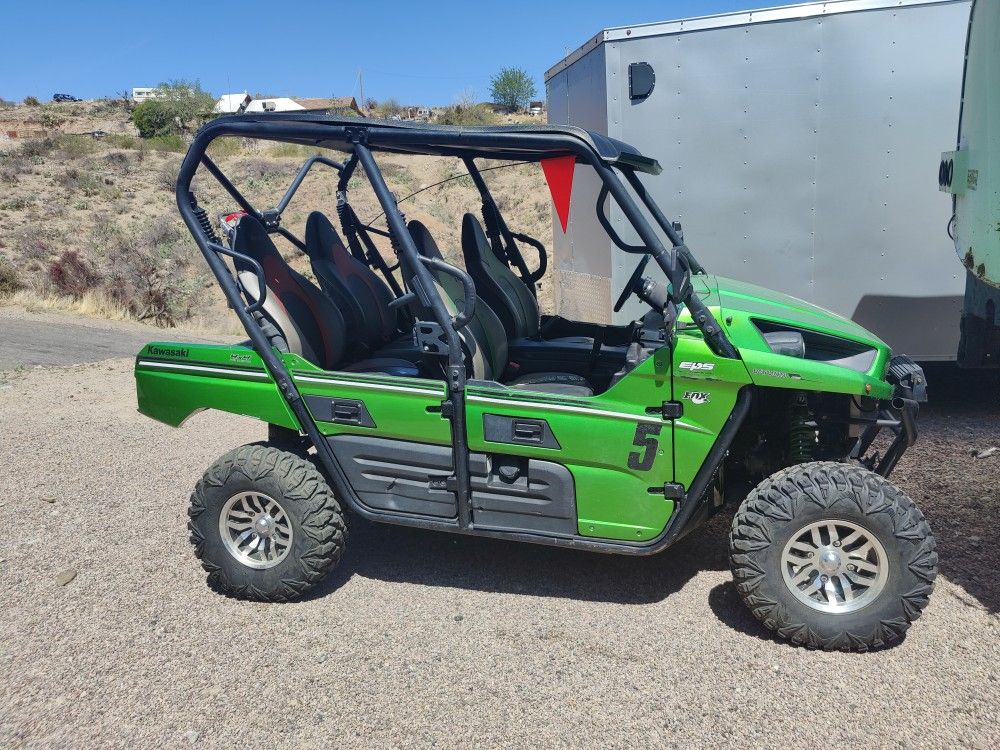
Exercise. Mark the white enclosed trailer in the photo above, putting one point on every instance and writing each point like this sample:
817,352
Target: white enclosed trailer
972,175
796,145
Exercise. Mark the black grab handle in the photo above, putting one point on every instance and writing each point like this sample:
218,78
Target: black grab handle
258,271
468,285
543,258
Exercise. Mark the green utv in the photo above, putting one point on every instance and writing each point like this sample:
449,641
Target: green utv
414,392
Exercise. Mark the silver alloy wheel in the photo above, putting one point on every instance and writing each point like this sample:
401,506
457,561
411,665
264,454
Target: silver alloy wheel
834,566
255,529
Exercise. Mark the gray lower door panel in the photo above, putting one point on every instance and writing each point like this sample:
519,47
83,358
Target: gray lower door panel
508,492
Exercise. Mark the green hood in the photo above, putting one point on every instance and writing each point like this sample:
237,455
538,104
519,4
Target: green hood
757,302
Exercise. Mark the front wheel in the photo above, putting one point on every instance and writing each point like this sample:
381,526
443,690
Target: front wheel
832,556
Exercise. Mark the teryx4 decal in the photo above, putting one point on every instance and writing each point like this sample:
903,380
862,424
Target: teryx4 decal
644,438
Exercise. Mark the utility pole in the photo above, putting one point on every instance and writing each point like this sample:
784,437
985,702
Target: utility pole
361,85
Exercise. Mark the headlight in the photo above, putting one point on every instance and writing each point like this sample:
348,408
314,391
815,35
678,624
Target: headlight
789,343
819,347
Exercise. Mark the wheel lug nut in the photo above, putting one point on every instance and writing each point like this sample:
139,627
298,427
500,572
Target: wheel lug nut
836,544
851,568
824,579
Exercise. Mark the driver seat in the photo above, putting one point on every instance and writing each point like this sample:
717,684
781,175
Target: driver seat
502,289
484,338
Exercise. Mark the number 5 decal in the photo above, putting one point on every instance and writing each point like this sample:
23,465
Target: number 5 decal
645,437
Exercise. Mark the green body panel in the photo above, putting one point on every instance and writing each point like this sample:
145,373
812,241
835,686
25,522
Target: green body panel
398,406
175,380
976,168
596,437
616,444
737,304
707,397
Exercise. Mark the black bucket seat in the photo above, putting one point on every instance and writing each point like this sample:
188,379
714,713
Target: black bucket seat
484,337
362,297
310,324
503,290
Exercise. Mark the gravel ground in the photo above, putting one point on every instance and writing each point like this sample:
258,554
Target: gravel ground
422,639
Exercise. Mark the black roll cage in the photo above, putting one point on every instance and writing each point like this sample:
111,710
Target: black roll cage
360,138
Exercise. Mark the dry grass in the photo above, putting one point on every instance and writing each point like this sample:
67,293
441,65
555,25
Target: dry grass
94,304
98,305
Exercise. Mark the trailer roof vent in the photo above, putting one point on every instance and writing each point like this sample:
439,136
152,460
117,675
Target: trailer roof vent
641,80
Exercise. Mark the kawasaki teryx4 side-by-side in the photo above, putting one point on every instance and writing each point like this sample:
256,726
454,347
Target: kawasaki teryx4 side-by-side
412,391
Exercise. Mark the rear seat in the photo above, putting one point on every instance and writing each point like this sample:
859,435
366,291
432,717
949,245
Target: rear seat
311,324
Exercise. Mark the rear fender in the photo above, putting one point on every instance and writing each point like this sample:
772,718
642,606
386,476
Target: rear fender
173,381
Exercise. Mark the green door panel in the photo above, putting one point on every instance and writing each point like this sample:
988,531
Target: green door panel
615,450
401,408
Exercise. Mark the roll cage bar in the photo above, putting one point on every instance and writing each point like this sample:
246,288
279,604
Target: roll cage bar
359,138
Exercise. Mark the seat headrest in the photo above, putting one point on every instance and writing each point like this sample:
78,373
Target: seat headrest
474,239
311,324
424,241
323,242
250,238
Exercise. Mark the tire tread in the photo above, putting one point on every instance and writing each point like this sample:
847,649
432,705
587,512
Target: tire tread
774,502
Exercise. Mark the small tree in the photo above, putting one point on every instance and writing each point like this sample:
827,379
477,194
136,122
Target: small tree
512,87
176,103
31,101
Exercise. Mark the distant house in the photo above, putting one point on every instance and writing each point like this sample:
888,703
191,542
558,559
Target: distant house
144,93
337,105
273,104
244,102
232,103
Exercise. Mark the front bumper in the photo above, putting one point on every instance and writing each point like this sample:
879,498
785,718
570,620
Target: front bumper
899,416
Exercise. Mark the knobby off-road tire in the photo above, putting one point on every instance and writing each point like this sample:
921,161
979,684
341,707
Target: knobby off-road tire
251,481
776,522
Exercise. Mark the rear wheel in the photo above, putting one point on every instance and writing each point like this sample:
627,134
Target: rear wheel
833,556
265,524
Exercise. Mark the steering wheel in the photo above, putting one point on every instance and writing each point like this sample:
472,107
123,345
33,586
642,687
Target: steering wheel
631,286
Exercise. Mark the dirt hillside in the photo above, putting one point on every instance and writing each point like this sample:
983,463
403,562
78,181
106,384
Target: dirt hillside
91,223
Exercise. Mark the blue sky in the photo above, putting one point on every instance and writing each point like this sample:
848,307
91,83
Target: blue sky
417,52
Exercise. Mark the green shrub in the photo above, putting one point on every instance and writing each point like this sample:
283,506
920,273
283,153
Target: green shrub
153,117
467,114
292,150
31,101
17,203
9,283
37,147
75,146
223,147
387,109
178,103
80,180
